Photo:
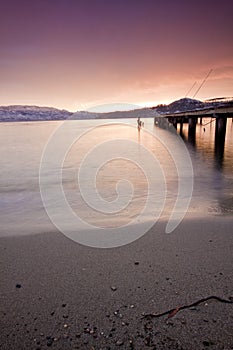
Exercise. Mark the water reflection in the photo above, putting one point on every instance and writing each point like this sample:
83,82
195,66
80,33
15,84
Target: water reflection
22,145
219,145
211,146
216,150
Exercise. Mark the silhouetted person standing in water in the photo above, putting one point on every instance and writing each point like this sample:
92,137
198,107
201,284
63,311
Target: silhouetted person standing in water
140,123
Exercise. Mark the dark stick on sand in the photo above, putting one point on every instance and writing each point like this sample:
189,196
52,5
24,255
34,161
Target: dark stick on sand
174,311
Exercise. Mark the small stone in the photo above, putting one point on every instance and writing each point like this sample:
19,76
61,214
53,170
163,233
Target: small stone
206,343
52,313
119,343
136,263
63,305
18,285
50,342
147,340
65,325
113,288
132,306
148,326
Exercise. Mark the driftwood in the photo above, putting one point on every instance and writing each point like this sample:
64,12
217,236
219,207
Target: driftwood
174,311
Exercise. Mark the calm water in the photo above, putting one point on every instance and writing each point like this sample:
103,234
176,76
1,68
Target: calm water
22,146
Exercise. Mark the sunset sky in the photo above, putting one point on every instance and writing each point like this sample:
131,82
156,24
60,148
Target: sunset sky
76,54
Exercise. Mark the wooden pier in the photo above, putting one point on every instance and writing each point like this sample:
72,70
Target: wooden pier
218,115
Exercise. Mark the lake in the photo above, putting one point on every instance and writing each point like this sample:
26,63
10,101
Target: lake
109,173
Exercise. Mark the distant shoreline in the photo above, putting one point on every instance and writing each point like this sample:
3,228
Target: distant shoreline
17,113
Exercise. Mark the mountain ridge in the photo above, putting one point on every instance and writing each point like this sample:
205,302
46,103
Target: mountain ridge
14,113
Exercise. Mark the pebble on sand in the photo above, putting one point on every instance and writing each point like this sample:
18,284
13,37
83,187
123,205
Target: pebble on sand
119,343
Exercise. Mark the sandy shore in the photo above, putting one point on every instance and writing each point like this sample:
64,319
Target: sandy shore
56,293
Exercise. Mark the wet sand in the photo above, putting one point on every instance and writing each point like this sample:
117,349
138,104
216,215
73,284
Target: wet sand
56,293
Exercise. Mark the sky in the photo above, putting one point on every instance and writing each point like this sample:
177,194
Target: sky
78,54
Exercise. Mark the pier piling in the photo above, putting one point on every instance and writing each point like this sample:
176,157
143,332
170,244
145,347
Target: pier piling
192,129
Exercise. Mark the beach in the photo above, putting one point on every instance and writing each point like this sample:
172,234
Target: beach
57,293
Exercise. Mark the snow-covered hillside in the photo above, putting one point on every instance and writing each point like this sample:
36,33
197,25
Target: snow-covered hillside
31,113
34,113
184,104
188,104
